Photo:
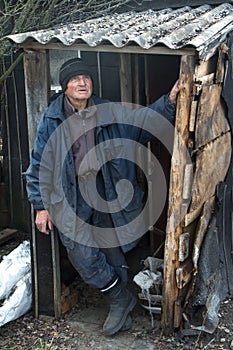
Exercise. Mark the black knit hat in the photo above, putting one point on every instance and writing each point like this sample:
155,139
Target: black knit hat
71,68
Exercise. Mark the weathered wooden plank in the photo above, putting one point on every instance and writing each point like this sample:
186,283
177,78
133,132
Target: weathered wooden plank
159,50
207,79
211,121
184,274
187,184
177,313
206,67
178,163
183,246
212,164
126,78
193,116
46,266
56,273
136,79
202,228
220,71
37,88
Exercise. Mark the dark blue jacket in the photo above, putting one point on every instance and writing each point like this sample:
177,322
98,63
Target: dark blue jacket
51,179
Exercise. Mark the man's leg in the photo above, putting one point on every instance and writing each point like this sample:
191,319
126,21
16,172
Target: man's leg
116,258
92,265
121,302
99,269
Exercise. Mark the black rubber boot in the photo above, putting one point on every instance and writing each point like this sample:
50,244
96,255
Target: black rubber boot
128,324
121,302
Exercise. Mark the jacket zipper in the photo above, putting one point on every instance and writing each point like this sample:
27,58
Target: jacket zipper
86,144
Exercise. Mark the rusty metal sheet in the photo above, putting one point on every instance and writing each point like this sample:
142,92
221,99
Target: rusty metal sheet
210,121
211,168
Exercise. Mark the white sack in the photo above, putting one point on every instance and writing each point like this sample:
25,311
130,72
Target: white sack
19,302
13,267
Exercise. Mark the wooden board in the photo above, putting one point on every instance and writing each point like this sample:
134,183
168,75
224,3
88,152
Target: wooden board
126,77
211,121
7,234
45,249
206,67
211,164
37,89
220,72
170,313
202,229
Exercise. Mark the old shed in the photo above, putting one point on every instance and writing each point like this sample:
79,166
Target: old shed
136,57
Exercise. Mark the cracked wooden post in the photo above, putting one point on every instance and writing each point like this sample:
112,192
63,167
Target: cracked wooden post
171,307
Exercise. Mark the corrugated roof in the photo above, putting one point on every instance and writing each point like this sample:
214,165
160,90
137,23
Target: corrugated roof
203,28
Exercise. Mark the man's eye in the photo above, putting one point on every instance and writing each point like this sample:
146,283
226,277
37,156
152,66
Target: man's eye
74,79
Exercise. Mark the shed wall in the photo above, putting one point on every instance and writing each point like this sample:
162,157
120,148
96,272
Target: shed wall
15,146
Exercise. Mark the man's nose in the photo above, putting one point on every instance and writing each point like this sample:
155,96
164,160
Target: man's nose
82,81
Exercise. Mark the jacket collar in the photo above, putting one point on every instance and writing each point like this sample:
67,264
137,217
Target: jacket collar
104,116
88,112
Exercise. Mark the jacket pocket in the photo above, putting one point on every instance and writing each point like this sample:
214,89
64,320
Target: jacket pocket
56,198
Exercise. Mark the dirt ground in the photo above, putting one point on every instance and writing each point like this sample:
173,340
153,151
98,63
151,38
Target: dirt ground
81,329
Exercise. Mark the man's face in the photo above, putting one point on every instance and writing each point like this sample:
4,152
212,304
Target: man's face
79,87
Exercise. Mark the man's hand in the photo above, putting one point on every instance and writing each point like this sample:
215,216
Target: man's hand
43,221
174,92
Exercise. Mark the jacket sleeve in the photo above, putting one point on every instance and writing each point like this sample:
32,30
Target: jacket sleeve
157,120
144,124
33,171
165,107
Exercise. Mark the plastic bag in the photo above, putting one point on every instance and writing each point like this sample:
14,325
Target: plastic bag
15,283
19,302
13,267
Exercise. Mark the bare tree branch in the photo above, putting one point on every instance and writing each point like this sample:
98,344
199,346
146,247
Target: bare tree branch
12,67
25,15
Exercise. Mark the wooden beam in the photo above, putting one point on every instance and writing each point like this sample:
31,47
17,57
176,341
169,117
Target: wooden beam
36,87
46,262
126,78
211,163
206,67
211,121
175,204
193,116
159,50
56,273
184,274
136,79
220,71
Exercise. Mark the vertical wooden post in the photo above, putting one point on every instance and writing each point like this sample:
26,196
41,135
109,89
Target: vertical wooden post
170,309
36,88
45,249
126,77
136,79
